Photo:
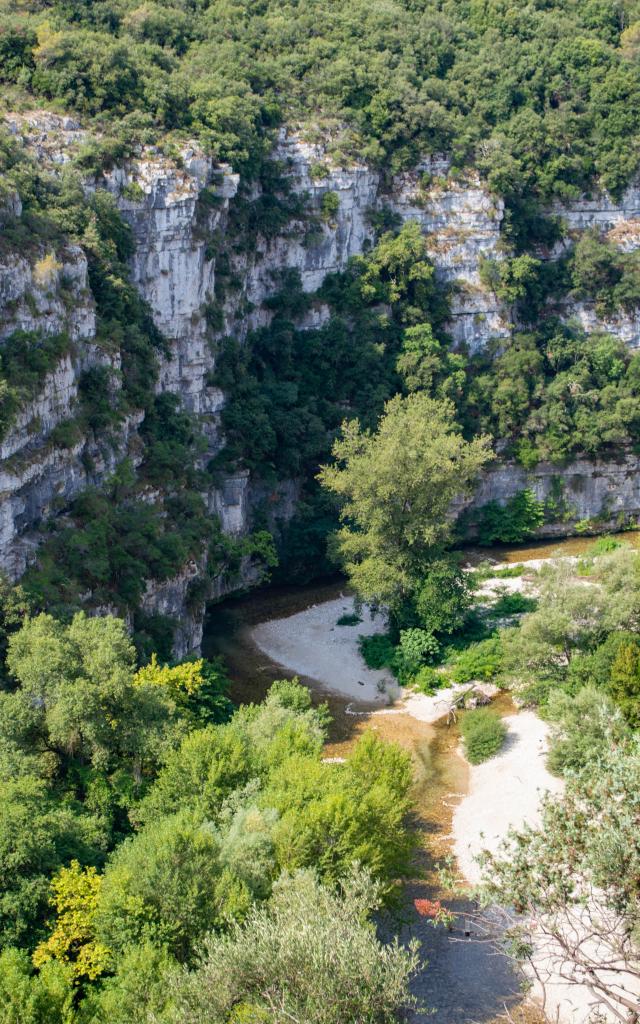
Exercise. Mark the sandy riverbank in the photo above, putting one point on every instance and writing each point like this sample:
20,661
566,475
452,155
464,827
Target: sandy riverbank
311,644
504,792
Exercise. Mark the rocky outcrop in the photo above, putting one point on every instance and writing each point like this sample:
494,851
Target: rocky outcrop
180,211
48,294
592,495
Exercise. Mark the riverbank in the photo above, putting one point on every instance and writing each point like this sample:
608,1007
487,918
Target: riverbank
460,809
312,644
503,792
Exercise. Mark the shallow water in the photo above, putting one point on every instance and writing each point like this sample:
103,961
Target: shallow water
463,980
552,548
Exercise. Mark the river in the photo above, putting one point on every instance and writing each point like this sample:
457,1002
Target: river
464,980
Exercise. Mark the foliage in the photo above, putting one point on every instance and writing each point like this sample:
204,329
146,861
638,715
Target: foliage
75,895
38,834
481,660
567,623
553,101
377,650
396,486
309,954
139,986
553,392
624,682
585,727
511,604
444,598
28,997
350,619
25,360
512,522
600,271
295,384
166,885
416,647
427,680
197,688
483,732
574,876
76,694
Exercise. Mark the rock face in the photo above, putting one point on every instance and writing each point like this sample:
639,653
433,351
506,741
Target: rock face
180,212
593,495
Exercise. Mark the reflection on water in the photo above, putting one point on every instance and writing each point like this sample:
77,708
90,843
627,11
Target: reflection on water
546,548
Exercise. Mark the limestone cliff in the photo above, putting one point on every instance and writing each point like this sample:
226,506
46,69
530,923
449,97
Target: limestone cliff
177,207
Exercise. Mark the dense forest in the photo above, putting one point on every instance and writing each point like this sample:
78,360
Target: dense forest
168,856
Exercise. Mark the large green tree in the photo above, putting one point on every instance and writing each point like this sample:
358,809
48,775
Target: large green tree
397,487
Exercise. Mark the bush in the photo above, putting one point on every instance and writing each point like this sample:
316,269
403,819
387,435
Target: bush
427,680
349,620
483,732
482,660
444,599
512,604
584,727
416,648
310,952
512,522
378,651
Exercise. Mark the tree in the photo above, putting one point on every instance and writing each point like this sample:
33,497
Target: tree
574,880
38,833
78,681
308,955
444,598
397,487
624,684
585,726
26,997
75,893
138,988
568,621
332,815
166,885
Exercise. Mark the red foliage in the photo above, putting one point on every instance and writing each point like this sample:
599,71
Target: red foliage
429,908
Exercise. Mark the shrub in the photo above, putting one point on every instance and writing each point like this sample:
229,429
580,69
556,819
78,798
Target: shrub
482,660
349,620
483,732
416,648
378,651
512,522
584,727
310,952
427,680
444,598
512,604
509,571
330,205
603,546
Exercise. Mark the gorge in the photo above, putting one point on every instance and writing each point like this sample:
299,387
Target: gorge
188,244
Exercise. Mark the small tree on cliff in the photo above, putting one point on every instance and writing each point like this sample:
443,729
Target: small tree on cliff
397,486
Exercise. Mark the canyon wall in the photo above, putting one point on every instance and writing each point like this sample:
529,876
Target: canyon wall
176,206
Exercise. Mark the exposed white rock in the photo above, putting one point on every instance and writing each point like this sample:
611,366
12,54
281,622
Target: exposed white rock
178,234
49,294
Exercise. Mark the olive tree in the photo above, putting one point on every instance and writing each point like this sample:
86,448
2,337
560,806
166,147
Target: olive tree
573,880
